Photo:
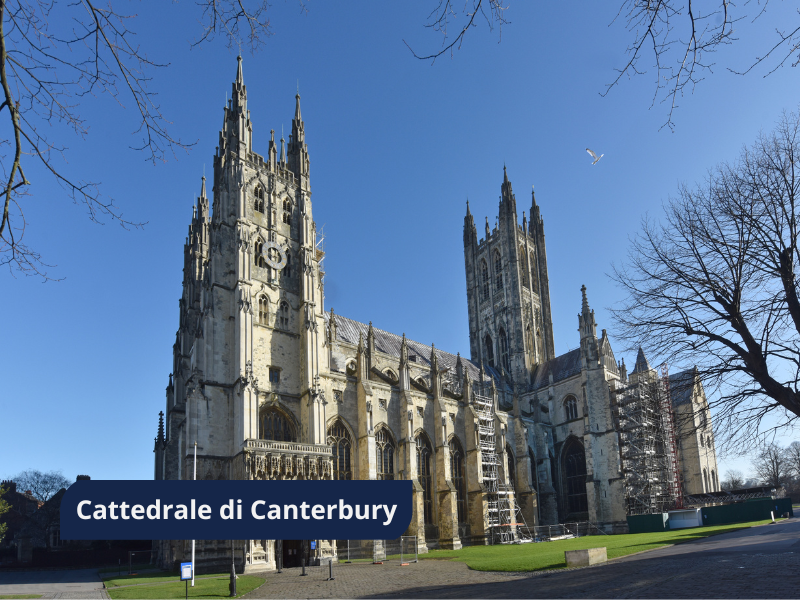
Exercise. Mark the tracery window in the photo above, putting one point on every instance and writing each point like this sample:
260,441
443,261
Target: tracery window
489,350
459,480
510,462
340,439
484,280
287,211
523,265
258,257
504,350
575,477
258,204
425,476
284,315
570,408
273,425
498,272
384,450
263,310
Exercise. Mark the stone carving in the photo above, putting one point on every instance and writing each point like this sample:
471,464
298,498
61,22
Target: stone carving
382,403
420,411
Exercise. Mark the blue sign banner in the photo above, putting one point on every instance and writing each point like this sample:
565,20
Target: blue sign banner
238,510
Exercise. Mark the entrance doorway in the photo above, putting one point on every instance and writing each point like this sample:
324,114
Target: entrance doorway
292,553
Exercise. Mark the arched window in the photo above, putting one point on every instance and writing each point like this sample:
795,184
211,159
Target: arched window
263,310
425,475
512,472
575,477
339,438
705,481
713,481
457,473
534,274
534,474
258,204
287,211
284,315
489,350
384,450
258,256
523,265
273,425
701,440
504,350
485,280
570,408
287,270
498,271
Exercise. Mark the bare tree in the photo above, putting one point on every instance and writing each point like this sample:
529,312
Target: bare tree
675,39
734,480
715,285
43,486
793,458
52,55
771,465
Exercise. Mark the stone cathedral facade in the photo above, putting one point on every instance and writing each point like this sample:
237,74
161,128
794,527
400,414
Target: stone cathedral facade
271,385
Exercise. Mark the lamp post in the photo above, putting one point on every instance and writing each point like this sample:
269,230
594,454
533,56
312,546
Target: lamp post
194,479
232,585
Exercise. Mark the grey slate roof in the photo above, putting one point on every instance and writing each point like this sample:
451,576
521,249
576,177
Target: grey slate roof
348,330
680,387
561,367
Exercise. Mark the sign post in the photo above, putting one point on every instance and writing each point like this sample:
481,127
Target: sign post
187,573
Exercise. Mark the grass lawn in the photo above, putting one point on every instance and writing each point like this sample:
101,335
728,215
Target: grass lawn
203,588
550,555
4,596
154,577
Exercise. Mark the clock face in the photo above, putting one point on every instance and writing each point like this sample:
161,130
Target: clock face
274,255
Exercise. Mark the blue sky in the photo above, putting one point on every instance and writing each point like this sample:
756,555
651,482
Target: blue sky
397,146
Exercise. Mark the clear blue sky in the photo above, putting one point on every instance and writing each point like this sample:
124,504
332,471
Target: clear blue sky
396,146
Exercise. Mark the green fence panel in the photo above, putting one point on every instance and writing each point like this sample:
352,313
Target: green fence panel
648,523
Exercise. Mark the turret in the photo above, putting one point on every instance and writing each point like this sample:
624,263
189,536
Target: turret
588,330
470,232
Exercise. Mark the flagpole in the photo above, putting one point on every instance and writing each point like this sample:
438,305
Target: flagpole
195,479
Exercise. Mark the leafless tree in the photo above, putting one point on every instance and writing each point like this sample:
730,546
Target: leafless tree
771,465
734,480
53,54
43,486
674,39
715,285
793,458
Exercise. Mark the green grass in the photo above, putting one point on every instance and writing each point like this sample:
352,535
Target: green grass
4,596
203,588
550,555
153,577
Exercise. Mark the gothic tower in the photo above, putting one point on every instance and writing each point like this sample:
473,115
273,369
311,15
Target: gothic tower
510,326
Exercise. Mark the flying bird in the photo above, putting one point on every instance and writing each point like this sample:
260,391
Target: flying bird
594,156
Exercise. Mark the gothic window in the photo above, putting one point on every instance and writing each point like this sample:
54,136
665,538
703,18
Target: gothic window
575,477
274,375
705,481
504,350
512,474
287,211
701,440
384,450
258,257
425,476
570,408
263,310
498,272
287,270
259,199
489,350
484,280
339,438
457,473
534,271
284,315
713,481
274,425
523,265
534,475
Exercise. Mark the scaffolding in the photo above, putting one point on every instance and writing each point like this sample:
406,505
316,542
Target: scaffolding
504,519
648,450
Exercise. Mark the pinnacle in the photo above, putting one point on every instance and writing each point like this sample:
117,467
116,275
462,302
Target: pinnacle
584,301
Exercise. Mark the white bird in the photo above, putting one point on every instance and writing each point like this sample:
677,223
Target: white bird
594,156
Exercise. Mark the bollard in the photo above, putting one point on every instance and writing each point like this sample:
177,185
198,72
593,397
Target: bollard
330,570
303,564
279,555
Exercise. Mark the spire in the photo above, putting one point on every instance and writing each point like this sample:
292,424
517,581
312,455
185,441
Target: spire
298,150
524,222
488,231
641,365
470,232
505,174
584,301
160,438
297,116
239,75
508,204
283,150
203,187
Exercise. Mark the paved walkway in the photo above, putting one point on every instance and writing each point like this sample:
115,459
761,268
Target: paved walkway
75,583
760,562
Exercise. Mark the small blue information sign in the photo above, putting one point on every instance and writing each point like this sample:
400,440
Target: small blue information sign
313,545
186,571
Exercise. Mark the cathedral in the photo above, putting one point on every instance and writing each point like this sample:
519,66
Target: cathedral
269,384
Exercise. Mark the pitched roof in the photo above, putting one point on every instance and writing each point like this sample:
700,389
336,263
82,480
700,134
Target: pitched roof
681,386
348,330
641,363
561,367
